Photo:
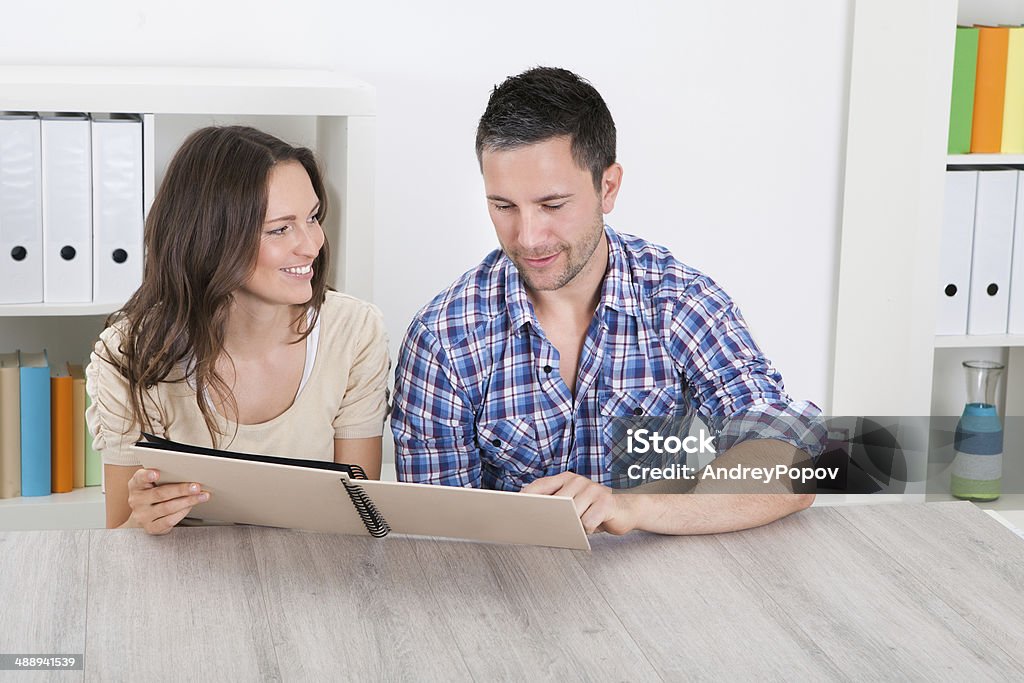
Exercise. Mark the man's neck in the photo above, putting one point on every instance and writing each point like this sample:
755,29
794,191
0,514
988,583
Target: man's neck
577,300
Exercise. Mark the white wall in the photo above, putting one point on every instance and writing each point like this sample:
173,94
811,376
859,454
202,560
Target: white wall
731,120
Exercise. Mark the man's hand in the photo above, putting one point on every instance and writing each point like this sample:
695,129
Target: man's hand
598,507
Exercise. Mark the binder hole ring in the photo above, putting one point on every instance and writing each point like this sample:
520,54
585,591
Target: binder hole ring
19,253
950,290
119,256
992,289
67,253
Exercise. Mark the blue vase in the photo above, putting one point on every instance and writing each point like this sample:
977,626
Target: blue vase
978,466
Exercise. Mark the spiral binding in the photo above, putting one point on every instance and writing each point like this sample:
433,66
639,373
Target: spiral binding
372,519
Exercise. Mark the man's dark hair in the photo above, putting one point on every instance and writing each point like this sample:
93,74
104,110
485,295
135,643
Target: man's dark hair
544,103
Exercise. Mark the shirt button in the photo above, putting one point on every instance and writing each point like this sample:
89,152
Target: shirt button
496,443
547,369
638,411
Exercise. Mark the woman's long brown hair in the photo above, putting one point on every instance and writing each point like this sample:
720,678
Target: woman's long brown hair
202,238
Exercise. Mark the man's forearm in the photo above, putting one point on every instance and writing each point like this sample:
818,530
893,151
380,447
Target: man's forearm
713,505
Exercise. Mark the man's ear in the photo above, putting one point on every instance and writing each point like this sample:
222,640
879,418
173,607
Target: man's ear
611,181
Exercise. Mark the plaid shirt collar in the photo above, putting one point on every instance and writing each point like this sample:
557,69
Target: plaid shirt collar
616,289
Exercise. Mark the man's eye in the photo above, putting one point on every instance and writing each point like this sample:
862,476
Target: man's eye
502,207
554,207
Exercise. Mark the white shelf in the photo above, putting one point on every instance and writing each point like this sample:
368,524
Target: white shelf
78,509
184,90
33,310
985,160
977,341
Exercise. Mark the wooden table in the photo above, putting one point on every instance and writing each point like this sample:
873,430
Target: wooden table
925,591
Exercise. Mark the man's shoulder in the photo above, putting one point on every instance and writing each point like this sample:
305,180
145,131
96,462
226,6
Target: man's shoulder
664,280
475,299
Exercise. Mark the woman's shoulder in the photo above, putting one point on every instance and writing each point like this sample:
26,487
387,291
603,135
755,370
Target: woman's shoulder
345,309
111,339
346,317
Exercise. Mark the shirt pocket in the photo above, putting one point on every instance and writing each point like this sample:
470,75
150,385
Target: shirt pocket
665,401
665,410
510,446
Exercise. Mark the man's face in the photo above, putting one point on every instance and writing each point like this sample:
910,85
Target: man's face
548,216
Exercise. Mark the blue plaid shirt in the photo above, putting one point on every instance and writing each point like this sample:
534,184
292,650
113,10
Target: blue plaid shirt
479,402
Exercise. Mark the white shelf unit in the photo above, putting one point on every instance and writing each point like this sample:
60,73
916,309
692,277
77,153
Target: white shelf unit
62,310
977,341
77,509
985,160
888,360
329,112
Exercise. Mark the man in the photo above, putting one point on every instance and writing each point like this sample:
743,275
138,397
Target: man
511,377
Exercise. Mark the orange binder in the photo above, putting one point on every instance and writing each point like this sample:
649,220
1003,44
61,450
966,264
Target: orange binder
62,443
990,90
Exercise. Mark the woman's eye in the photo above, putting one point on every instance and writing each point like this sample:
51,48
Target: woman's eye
279,231
312,219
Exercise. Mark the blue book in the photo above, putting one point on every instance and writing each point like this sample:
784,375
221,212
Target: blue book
35,424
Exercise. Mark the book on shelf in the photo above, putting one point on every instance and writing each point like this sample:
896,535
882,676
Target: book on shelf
990,90
117,206
10,425
961,109
21,228
1015,317
1012,141
78,423
62,445
991,254
93,460
73,190
35,424
956,244
331,497
67,207
987,100
45,443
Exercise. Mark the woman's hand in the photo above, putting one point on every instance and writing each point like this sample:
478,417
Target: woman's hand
156,508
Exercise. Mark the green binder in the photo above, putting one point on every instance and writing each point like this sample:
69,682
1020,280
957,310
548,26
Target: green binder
961,108
93,461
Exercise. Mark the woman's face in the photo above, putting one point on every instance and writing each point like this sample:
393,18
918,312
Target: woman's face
291,239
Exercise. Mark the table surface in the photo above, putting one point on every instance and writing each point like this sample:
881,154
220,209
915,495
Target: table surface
917,591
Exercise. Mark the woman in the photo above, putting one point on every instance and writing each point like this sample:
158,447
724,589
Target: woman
234,339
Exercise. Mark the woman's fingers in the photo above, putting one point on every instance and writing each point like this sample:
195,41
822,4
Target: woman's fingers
164,516
158,508
172,506
143,479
